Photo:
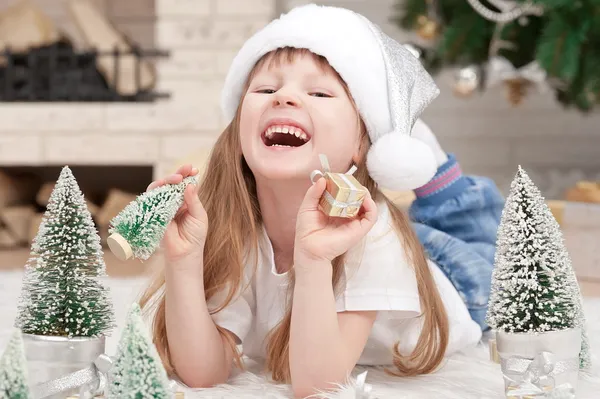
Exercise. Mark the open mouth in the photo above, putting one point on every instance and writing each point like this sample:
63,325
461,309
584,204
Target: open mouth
285,136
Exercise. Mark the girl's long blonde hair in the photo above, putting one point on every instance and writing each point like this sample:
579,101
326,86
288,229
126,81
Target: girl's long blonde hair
228,193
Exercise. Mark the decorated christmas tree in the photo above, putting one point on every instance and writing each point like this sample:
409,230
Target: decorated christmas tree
13,370
137,372
62,293
545,44
138,229
534,289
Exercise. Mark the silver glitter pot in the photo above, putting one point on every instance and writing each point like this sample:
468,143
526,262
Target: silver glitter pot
51,357
537,363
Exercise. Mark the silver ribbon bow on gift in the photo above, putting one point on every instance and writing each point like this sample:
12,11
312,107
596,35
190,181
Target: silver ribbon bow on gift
500,70
352,202
535,377
91,381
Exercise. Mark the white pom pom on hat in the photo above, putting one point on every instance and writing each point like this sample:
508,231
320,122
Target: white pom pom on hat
388,84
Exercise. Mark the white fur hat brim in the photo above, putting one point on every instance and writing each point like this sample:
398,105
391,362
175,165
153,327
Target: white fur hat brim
388,84
334,33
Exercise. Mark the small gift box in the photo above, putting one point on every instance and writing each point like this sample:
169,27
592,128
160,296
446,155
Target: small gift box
584,191
343,195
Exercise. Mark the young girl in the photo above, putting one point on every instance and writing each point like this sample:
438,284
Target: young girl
250,259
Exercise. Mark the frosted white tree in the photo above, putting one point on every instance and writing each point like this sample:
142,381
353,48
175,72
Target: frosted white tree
137,372
13,370
62,291
534,288
138,229
585,361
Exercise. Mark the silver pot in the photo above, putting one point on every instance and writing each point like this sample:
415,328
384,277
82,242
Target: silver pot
52,357
537,363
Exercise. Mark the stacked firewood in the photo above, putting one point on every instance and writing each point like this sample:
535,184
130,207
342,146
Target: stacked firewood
23,202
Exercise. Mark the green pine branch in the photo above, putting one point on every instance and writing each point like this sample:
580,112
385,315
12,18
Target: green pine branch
554,4
466,40
563,41
559,49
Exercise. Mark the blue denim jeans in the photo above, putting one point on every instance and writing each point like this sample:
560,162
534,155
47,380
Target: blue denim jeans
456,218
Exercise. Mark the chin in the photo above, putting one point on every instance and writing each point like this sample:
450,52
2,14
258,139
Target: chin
283,169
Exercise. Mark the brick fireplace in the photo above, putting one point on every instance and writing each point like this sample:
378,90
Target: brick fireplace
200,36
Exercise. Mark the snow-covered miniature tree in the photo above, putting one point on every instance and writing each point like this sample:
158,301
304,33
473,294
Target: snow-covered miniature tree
534,288
529,293
585,361
13,370
62,292
138,229
137,372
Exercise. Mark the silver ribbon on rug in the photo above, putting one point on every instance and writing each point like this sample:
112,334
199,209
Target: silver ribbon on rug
536,377
91,381
362,389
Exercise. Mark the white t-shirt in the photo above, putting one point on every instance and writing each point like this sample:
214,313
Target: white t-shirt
380,279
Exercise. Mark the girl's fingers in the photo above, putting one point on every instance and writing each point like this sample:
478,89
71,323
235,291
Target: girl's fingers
174,179
313,195
154,184
181,211
184,170
192,201
187,170
369,216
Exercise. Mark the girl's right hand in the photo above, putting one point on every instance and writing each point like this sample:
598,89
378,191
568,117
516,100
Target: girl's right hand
186,233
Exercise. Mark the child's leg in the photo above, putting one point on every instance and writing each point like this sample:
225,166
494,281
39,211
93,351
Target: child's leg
466,207
456,218
467,270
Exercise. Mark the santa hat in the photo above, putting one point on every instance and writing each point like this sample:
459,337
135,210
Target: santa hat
388,84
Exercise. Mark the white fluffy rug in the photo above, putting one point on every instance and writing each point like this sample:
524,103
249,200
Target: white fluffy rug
466,376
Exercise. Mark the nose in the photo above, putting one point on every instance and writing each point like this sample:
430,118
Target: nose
285,98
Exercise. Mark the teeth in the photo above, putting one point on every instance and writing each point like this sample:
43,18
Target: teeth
286,129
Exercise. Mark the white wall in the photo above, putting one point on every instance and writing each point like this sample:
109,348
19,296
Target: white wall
556,147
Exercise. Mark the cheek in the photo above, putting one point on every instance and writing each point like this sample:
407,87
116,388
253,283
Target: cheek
338,134
249,117
340,124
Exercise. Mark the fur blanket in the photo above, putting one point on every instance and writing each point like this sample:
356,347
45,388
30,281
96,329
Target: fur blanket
467,375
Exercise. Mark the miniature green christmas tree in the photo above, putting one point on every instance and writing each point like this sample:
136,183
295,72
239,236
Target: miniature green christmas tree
62,293
534,288
13,370
137,372
585,361
138,229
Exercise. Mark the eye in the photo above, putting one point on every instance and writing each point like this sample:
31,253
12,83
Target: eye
320,94
265,91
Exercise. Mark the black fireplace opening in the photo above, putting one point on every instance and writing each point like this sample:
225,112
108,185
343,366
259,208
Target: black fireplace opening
60,72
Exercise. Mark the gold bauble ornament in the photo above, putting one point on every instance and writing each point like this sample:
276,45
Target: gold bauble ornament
466,81
516,89
427,28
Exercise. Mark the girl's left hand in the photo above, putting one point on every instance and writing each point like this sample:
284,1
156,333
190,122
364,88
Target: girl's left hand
322,238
